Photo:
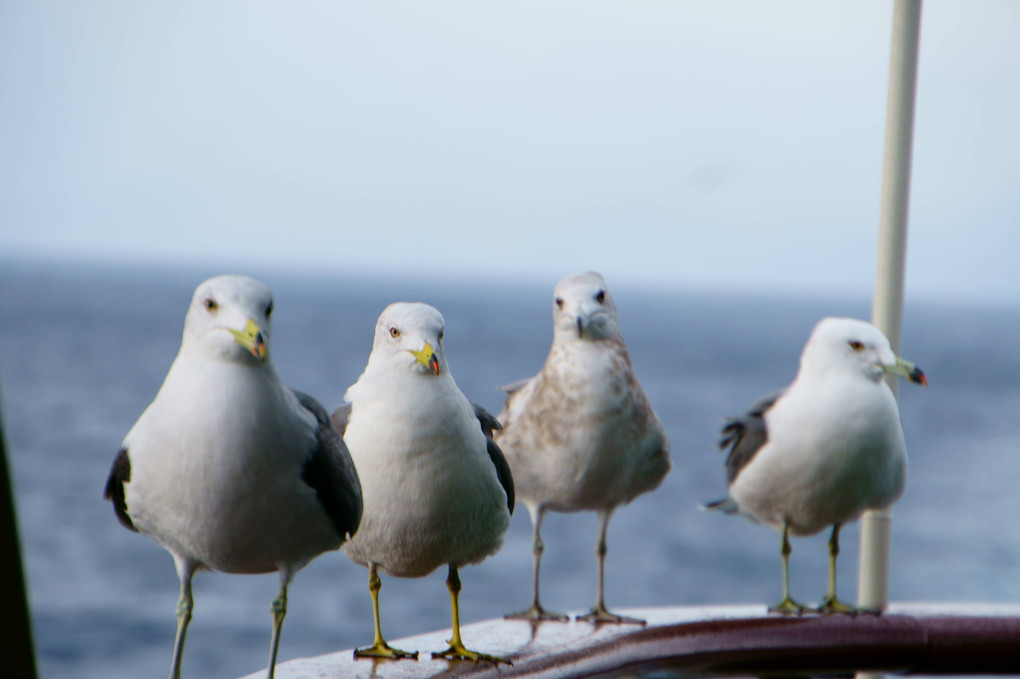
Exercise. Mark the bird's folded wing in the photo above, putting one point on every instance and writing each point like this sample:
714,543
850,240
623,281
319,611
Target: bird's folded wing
330,471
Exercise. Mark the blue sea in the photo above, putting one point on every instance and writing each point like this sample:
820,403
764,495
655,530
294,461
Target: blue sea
83,349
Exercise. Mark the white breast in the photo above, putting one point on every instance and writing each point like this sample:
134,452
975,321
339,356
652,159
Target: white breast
216,471
833,452
431,492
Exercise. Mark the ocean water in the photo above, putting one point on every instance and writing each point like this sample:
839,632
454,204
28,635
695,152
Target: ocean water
83,350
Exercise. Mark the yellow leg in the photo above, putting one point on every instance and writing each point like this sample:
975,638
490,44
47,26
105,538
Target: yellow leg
831,603
536,612
379,647
599,613
457,651
787,605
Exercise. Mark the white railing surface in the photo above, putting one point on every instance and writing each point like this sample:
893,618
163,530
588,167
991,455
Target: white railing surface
928,639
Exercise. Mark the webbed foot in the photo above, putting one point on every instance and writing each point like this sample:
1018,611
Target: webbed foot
383,650
600,614
459,652
536,612
789,607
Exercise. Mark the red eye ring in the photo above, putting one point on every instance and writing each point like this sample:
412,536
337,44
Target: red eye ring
210,304
856,345
394,332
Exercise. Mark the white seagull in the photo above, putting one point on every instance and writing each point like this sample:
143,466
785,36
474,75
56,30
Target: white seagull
826,448
227,468
437,490
581,435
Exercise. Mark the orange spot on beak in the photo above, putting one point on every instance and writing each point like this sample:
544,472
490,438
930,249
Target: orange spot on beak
258,347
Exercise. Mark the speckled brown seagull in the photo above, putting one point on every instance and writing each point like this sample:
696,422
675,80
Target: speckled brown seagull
581,435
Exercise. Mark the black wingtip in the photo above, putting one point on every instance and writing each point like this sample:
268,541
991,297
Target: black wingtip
731,433
330,471
726,506
487,420
489,423
331,474
506,479
120,473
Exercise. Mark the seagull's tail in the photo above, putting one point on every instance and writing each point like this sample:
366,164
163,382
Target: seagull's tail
727,506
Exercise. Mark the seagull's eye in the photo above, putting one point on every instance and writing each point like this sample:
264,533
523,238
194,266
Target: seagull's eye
394,332
269,309
441,335
856,345
559,302
600,296
210,304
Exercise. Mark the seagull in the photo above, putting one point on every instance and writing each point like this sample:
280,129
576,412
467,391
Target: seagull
437,488
825,449
581,435
227,468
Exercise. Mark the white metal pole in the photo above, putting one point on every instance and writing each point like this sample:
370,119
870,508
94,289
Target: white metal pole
887,313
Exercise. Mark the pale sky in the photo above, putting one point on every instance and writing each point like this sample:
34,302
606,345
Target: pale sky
706,145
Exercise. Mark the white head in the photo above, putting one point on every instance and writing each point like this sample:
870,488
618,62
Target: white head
851,345
409,336
583,309
229,320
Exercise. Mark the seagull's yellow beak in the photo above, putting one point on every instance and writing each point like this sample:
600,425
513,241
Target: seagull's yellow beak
908,371
427,357
251,339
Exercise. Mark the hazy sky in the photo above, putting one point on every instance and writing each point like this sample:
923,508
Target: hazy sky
702,144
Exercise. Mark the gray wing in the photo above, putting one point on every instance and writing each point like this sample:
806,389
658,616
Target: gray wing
745,435
330,471
515,386
489,423
487,420
341,416
120,474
